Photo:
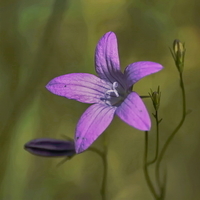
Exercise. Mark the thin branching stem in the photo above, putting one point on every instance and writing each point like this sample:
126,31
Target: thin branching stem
157,139
103,156
145,168
170,138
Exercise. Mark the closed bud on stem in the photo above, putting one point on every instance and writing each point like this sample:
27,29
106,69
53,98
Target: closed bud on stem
178,53
155,97
49,147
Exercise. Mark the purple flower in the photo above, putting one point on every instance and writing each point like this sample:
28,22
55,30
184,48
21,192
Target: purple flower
50,147
110,93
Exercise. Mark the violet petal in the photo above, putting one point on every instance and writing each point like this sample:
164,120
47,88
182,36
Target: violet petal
133,112
91,124
135,71
50,147
83,87
107,58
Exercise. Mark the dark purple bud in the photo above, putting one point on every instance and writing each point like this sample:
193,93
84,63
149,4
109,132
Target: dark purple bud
50,147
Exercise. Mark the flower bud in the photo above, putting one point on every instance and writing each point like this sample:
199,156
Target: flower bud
50,147
178,54
155,97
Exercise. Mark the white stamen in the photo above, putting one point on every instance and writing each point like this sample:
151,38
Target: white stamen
114,86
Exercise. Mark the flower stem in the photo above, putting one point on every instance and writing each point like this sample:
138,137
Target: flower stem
104,181
163,150
146,96
145,168
103,156
157,139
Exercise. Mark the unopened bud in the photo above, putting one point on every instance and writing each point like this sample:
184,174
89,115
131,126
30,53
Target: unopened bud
178,54
50,147
155,97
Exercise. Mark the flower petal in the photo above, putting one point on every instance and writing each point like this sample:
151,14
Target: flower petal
133,112
83,87
91,124
135,71
107,58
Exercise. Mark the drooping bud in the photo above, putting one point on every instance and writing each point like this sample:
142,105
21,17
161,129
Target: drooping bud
178,53
49,147
155,97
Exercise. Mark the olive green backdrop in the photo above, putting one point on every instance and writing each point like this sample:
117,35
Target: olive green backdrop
42,39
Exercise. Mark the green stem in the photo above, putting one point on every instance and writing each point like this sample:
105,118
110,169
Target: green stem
145,168
103,156
104,181
163,150
157,139
146,96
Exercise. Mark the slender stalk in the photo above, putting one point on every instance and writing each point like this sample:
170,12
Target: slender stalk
157,139
170,138
146,96
103,156
104,181
145,168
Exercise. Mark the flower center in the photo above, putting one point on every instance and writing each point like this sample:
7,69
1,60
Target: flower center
114,97
114,86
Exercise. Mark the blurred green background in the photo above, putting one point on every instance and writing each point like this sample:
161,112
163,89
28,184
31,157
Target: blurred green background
42,39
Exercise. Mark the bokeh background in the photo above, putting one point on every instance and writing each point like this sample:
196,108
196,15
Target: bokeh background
42,39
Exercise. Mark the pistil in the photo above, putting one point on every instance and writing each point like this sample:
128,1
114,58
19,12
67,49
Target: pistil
114,86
